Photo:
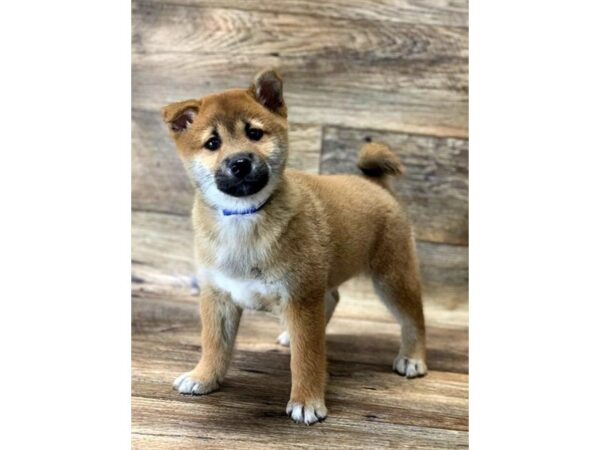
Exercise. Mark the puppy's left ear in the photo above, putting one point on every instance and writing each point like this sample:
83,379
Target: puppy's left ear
180,115
267,89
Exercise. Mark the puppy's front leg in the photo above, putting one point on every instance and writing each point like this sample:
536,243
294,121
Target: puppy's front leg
305,318
220,319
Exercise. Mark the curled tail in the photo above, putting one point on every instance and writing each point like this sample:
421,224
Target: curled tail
377,162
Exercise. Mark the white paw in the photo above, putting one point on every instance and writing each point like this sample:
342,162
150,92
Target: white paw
410,367
284,339
308,413
185,384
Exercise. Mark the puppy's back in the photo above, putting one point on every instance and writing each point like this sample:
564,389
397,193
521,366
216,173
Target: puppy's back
349,196
357,211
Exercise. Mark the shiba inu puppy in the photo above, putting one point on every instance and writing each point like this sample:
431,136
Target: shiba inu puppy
271,238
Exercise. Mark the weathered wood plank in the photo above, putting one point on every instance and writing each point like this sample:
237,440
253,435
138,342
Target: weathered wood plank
355,392
320,91
213,426
305,147
161,28
442,264
434,187
161,247
432,12
395,76
159,182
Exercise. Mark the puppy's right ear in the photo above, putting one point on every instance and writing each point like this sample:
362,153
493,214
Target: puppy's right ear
180,115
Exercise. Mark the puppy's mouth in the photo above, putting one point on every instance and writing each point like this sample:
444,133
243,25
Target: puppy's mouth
241,175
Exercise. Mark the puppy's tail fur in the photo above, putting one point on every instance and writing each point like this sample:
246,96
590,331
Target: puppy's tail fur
377,162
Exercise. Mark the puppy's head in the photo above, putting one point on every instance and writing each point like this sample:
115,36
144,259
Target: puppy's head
233,144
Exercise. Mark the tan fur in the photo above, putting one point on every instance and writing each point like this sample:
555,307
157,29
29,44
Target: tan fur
376,160
315,233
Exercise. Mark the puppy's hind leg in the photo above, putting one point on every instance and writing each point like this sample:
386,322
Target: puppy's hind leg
332,297
397,282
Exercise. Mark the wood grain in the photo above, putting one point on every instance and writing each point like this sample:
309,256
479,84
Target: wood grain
434,187
432,12
324,92
206,424
386,75
163,27
159,182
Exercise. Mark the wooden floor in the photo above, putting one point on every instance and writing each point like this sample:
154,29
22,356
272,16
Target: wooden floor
354,70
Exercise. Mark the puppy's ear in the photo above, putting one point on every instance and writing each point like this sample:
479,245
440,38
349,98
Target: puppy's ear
181,114
267,89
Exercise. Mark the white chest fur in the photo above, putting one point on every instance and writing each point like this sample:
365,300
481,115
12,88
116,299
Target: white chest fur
246,293
238,264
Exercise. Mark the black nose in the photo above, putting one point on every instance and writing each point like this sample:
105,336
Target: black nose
240,165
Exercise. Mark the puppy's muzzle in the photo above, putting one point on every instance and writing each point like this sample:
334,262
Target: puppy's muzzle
242,174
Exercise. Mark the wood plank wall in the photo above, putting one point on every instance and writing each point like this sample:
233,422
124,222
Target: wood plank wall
391,70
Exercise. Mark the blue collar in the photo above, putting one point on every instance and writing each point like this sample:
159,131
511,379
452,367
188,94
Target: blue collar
243,212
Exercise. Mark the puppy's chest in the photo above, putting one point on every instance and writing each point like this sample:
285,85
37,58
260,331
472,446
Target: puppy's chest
247,292
242,273
242,267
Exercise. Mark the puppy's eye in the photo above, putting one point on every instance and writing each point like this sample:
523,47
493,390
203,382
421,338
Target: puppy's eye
213,143
254,134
